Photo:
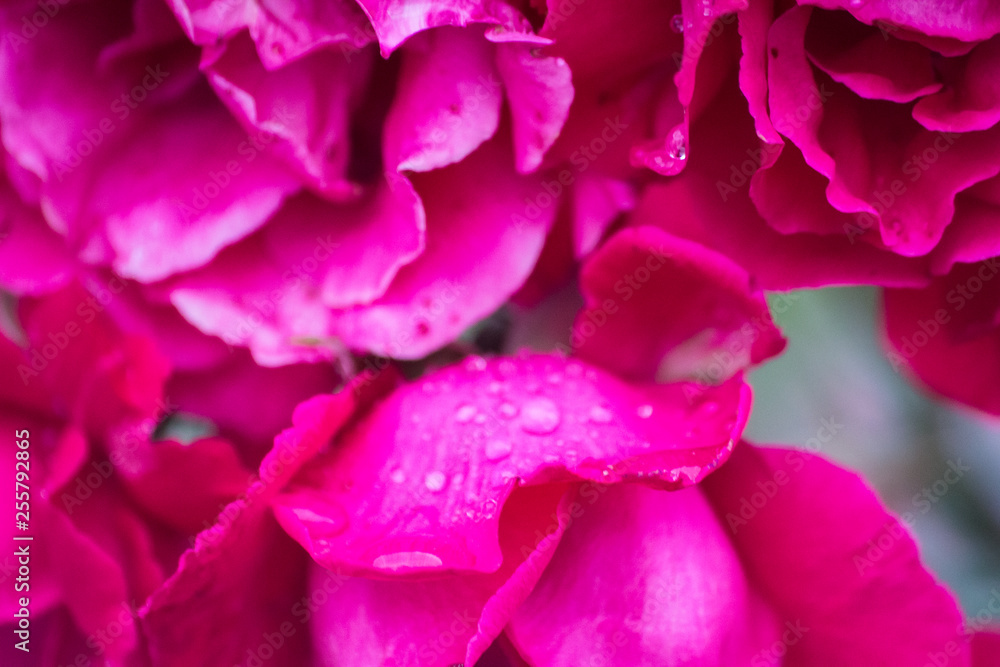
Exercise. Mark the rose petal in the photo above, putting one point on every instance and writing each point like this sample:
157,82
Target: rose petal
441,621
968,21
840,583
447,102
970,100
658,306
539,92
398,495
644,577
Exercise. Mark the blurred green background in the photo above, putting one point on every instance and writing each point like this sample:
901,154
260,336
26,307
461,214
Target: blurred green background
894,432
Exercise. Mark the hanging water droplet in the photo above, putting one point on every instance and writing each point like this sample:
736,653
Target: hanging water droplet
434,481
677,23
404,560
475,363
645,411
600,415
497,449
398,476
465,413
677,145
539,416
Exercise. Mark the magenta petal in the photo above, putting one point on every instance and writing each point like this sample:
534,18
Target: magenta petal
842,581
658,306
274,292
281,31
644,577
970,100
449,621
447,102
948,334
212,187
444,291
869,62
973,234
539,91
970,20
310,131
597,204
985,648
395,21
417,485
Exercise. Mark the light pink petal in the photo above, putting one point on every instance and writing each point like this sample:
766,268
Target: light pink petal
449,621
282,31
212,186
419,482
306,105
447,101
466,271
970,100
644,577
274,292
820,547
873,65
947,336
968,21
539,92
395,21
660,307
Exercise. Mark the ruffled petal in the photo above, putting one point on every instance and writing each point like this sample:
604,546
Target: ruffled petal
303,109
443,292
837,567
660,307
418,484
644,577
970,100
447,101
539,92
968,21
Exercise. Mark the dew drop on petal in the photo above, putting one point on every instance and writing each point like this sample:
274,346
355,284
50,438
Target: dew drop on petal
645,411
508,410
677,23
398,476
539,416
434,481
497,449
404,560
465,413
677,144
600,415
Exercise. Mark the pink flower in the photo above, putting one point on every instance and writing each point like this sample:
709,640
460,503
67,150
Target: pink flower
522,507
296,181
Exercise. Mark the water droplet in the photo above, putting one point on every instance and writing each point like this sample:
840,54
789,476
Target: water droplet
497,449
600,415
645,411
404,560
677,144
434,481
574,369
539,416
457,479
489,508
480,418
677,23
328,521
465,413
495,387
554,378
508,410
398,476
475,363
